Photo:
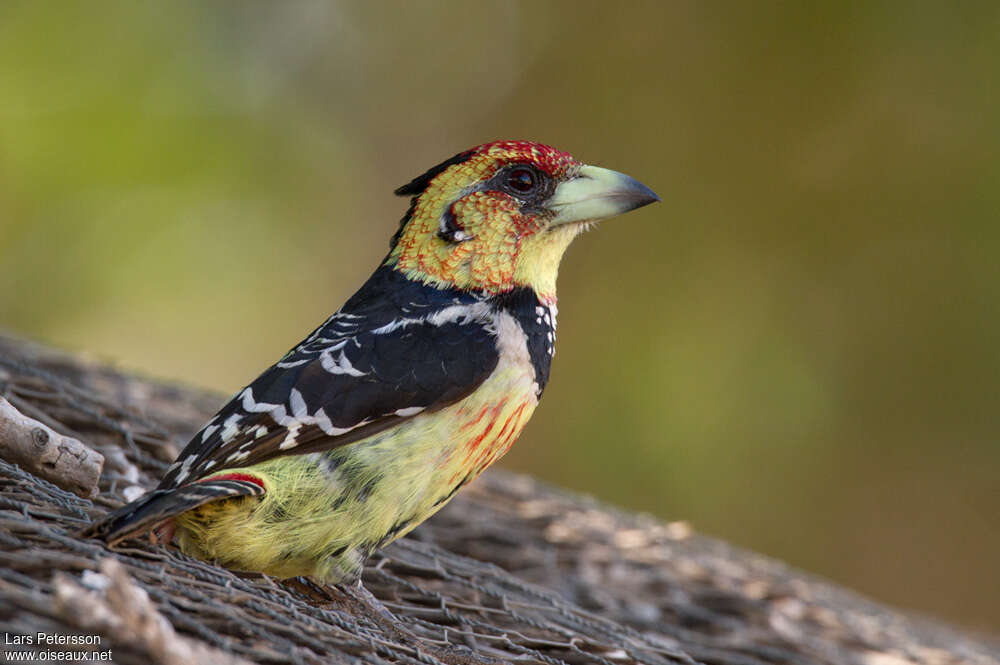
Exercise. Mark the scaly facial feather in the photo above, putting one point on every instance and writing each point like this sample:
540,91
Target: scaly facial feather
503,241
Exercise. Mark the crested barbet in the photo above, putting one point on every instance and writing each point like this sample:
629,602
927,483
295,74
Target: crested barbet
419,382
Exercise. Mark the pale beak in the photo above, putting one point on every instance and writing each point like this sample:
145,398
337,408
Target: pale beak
597,193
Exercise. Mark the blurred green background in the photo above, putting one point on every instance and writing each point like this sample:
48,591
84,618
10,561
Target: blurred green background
797,350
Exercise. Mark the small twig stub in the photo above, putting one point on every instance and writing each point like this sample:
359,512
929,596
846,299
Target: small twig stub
36,447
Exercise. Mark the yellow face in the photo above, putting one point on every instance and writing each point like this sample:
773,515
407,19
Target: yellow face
501,216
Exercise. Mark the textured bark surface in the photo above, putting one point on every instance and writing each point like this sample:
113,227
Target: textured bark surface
511,570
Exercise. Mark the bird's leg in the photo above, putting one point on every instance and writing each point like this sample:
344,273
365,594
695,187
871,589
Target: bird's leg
355,592
366,599
361,602
377,611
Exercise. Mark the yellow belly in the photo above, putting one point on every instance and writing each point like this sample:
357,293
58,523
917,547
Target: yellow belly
324,513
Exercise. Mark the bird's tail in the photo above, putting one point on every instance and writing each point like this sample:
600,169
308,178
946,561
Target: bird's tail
148,512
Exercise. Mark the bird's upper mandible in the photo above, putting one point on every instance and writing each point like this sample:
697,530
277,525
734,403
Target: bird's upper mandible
500,216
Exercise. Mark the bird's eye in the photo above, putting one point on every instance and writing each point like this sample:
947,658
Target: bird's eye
521,180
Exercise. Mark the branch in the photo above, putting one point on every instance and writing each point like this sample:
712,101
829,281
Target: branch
511,570
39,449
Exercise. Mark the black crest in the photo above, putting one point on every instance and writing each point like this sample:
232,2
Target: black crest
417,186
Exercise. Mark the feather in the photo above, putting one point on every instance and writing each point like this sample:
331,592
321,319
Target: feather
364,370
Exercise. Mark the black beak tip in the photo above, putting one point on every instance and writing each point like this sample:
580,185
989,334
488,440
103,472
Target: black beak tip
640,195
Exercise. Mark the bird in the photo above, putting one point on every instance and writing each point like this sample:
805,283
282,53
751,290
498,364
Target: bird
419,382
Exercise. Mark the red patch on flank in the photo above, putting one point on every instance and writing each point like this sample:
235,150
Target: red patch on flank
473,423
163,532
474,443
237,476
506,424
514,430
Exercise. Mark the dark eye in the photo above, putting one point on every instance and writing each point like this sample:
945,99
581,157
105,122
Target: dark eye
521,180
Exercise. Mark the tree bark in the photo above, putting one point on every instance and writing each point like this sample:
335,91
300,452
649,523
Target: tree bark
511,570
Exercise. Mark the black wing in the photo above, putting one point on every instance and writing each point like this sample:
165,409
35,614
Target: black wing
397,348
147,512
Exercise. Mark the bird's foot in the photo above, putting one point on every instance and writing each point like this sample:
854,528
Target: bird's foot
360,602
354,599
372,605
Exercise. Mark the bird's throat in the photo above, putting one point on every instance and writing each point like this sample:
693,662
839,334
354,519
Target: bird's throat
528,260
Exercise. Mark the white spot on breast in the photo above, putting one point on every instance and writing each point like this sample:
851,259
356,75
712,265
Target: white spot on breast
512,343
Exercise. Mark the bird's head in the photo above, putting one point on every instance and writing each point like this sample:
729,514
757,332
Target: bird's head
501,216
